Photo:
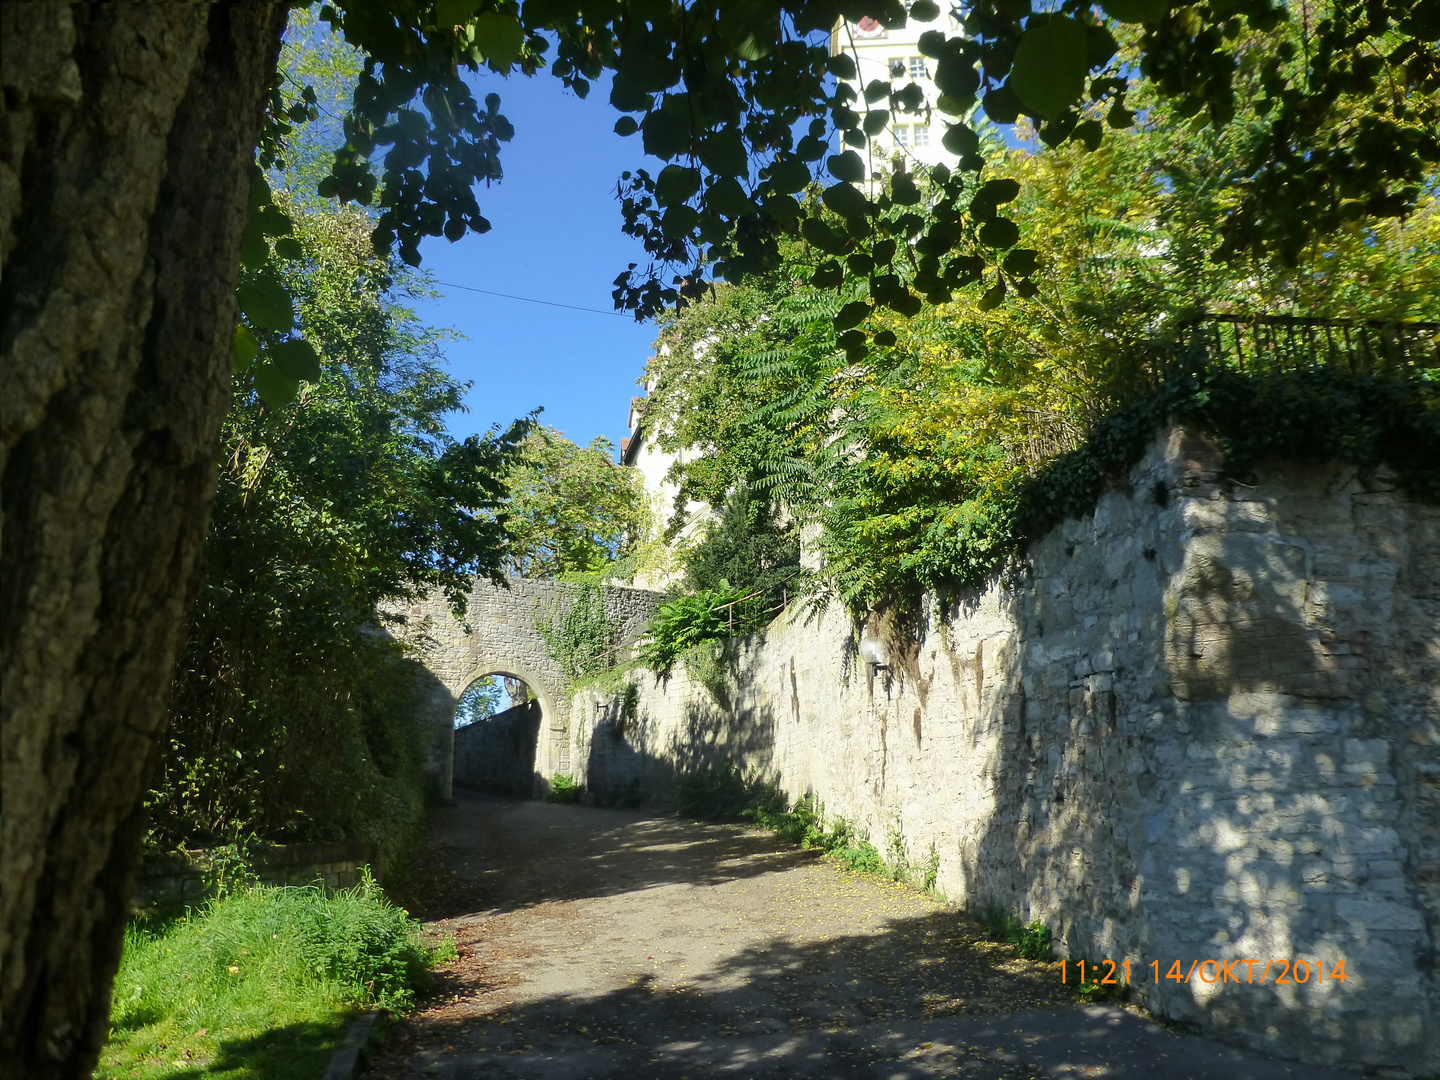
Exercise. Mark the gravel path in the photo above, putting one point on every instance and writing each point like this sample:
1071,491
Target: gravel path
615,943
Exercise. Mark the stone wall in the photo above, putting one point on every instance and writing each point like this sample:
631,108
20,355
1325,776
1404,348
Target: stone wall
498,754
498,636
1202,724
180,881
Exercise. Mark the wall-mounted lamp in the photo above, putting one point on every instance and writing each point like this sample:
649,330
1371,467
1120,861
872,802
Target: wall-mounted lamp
872,651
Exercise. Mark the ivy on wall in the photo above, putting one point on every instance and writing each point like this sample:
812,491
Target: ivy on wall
580,638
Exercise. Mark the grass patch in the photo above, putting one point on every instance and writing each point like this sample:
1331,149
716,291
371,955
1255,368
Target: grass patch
260,982
1030,942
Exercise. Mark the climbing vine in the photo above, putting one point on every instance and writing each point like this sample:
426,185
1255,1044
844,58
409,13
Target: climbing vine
580,638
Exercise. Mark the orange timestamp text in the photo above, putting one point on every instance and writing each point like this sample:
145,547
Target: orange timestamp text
1274,972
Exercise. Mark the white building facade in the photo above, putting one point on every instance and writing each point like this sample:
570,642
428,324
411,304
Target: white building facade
911,138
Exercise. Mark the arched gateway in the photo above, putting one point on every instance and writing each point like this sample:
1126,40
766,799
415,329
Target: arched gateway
500,636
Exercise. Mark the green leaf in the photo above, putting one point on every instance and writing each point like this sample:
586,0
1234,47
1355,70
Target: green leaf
1001,104
993,297
853,342
999,233
297,358
956,77
827,275
1100,46
875,121
789,176
820,235
810,148
997,192
265,303
254,252
924,11
1021,262
450,13
679,221
676,184
960,140
846,200
840,65
1050,67
724,154
498,37
849,167
851,315
626,125
287,247
1089,133
666,135
728,197
276,388
1136,11
243,348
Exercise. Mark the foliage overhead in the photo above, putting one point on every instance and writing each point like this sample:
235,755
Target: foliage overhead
744,100
969,426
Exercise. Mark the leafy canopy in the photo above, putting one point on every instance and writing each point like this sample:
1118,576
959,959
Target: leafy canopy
743,101
968,426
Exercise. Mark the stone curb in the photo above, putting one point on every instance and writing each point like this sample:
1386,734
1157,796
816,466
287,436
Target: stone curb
345,1062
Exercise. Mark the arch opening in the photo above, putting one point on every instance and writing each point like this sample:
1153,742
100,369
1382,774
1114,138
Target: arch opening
497,723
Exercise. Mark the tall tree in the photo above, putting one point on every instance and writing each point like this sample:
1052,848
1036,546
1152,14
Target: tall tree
129,137
570,508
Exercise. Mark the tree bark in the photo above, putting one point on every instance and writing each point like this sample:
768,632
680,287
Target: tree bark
126,139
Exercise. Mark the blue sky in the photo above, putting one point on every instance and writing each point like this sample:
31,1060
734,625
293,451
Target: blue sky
556,236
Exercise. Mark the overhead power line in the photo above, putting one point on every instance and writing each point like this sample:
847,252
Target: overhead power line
532,300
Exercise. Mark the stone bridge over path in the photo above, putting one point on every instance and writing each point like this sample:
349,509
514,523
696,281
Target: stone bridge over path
499,636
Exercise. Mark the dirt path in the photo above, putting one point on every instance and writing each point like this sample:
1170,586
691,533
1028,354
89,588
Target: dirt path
613,943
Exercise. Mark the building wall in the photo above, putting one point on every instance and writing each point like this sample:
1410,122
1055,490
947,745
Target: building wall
177,881
893,56
1202,724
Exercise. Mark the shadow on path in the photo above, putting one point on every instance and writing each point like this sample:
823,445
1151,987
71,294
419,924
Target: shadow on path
609,944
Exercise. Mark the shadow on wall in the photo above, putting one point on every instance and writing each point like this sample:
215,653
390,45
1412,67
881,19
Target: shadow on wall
497,755
1238,800
621,769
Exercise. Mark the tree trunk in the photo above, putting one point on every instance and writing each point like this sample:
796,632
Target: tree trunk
126,139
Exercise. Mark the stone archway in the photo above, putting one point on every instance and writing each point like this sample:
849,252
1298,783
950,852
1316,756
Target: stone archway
499,636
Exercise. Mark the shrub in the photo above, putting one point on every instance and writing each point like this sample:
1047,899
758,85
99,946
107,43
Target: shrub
725,793
1032,942
563,789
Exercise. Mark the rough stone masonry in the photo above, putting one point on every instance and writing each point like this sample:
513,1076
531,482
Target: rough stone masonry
1200,724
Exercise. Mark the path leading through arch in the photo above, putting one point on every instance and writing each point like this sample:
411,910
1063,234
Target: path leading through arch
500,635
621,945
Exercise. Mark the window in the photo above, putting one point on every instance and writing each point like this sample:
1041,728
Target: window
922,134
902,136
897,68
917,67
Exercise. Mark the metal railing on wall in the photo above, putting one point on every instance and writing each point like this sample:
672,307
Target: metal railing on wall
1265,344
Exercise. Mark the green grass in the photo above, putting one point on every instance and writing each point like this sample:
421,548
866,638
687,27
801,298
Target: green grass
260,983
1032,942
